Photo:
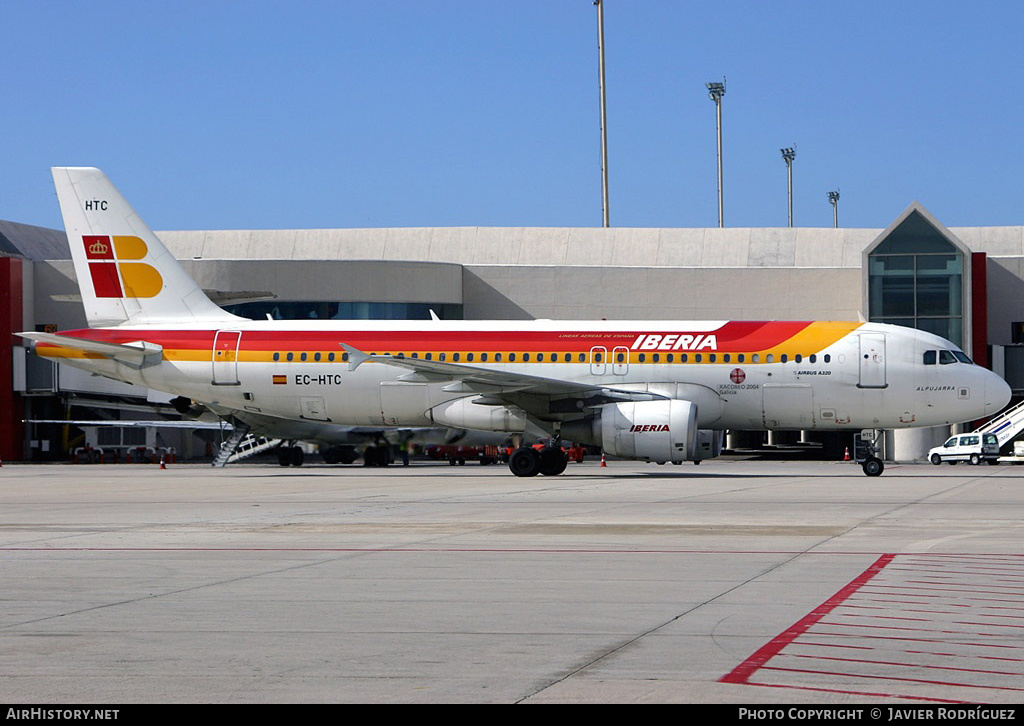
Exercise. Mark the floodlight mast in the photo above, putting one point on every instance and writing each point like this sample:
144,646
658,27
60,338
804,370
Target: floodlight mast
604,115
833,199
715,92
788,154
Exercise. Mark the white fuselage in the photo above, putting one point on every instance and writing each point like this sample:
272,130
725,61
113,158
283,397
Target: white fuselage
871,376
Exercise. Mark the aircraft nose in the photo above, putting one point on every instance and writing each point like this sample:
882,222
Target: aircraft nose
997,392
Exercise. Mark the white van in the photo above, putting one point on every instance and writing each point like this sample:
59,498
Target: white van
974,448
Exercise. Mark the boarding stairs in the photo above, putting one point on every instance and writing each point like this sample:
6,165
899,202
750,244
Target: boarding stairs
241,445
1006,425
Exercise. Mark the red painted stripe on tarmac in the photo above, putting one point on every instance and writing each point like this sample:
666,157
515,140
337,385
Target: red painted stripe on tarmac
746,669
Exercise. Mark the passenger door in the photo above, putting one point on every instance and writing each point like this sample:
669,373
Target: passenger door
872,360
225,357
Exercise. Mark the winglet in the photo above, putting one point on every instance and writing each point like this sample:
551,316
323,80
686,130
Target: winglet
356,357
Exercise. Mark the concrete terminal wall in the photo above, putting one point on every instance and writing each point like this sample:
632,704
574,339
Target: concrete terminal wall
619,247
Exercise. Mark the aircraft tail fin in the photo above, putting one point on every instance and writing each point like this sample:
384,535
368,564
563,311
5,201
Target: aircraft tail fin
125,273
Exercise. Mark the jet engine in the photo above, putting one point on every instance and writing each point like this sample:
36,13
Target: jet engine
663,430
651,430
465,413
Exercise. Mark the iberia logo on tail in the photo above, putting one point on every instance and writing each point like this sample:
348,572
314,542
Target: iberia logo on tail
112,275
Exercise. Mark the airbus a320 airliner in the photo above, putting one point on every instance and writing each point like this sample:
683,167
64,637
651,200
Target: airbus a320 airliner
649,390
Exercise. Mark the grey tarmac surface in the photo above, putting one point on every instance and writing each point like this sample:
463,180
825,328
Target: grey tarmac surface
737,581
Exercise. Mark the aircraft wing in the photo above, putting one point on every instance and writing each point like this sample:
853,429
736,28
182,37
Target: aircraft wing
537,395
336,434
136,353
158,423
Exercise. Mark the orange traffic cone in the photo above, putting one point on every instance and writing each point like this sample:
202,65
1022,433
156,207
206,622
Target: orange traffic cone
846,456
602,460
162,464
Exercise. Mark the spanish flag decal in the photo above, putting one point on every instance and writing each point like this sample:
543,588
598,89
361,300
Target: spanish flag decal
280,380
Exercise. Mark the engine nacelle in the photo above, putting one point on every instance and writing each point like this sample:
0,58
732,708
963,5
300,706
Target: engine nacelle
663,430
709,444
464,413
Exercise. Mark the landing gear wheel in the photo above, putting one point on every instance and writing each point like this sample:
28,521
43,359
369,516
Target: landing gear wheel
290,455
552,461
524,461
873,466
936,459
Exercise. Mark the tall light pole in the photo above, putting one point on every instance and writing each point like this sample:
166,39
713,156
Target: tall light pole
788,155
716,91
604,116
833,199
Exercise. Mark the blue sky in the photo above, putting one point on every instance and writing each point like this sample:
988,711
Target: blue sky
219,114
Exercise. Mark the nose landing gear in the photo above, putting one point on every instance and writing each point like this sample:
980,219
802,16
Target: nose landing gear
872,465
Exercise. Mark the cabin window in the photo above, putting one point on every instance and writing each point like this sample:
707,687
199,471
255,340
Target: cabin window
277,357
642,358
483,357
770,358
497,357
784,358
726,358
511,357
669,357
540,357
455,357
316,356
828,358
330,356
813,358
526,357
756,358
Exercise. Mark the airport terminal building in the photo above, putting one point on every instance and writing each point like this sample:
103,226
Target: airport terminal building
965,284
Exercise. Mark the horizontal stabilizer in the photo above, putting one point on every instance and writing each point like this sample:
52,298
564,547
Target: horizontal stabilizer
135,353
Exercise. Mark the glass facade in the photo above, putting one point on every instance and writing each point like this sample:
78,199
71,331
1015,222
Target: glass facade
916,279
314,310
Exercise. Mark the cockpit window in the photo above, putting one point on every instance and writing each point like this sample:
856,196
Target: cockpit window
946,357
929,357
962,357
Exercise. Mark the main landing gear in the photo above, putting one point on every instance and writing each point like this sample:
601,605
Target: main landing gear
290,455
528,461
